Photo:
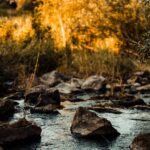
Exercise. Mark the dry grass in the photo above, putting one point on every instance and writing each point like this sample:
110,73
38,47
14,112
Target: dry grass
85,63
81,41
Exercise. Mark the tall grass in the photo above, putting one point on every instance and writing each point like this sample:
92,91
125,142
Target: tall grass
85,63
19,45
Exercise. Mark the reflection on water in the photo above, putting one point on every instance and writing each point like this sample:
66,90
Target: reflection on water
56,129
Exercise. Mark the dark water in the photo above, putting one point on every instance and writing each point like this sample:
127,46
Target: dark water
56,129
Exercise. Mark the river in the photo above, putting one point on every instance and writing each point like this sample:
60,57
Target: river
56,128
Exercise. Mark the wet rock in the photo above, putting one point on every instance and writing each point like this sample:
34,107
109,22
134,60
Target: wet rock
46,109
33,93
41,95
87,124
141,142
6,108
94,83
129,102
49,97
53,78
21,130
144,88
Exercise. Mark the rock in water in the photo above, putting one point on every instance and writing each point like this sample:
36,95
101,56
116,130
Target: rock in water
49,97
94,83
87,124
21,130
41,95
32,94
48,109
141,142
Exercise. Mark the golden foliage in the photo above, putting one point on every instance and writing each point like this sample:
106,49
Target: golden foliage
84,29
91,24
16,28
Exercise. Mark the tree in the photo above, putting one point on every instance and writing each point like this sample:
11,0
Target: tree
95,25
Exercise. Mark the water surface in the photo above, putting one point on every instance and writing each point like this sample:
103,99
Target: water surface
56,128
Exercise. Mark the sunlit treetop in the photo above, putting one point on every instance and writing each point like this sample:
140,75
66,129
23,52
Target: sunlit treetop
83,24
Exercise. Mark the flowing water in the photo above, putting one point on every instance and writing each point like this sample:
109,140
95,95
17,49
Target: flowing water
56,129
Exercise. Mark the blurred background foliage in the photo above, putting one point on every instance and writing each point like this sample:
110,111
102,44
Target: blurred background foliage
79,37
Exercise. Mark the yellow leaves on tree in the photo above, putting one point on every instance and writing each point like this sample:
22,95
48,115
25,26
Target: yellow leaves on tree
16,28
89,24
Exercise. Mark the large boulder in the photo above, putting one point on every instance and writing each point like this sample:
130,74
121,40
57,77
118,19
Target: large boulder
49,97
7,107
94,83
87,124
141,142
53,78
21,130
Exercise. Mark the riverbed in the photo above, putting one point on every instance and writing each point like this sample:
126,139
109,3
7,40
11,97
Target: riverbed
56,133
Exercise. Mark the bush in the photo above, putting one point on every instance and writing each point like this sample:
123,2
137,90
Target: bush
81,37
20,45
